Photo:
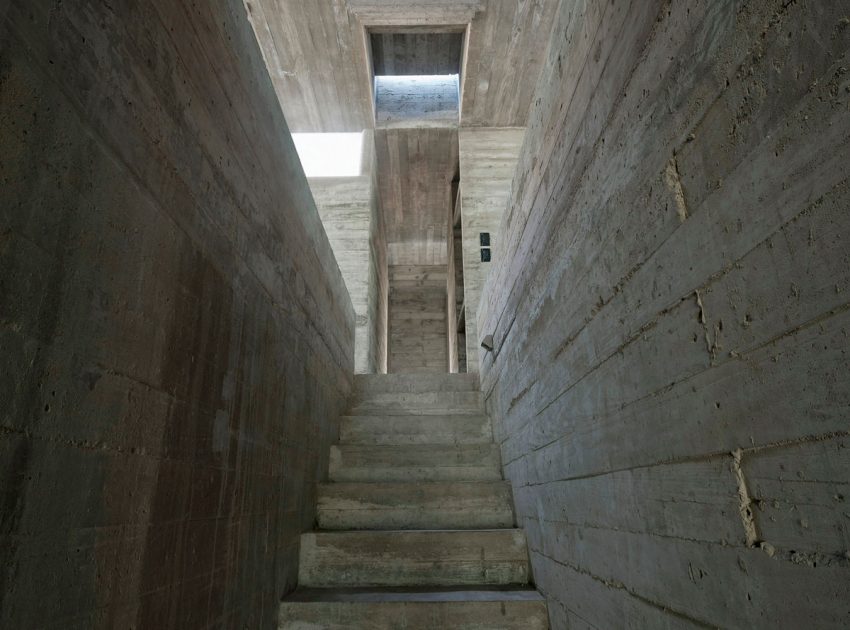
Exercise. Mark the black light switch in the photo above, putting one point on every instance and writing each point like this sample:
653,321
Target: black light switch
485,239
485,254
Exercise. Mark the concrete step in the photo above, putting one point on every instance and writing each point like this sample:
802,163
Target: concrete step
416,403
355,609
425,462
428,429
413,558
404,383
378,506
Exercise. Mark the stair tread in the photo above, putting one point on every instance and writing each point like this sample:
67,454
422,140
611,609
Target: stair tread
404,494
426,485
482,593
414,448
377,429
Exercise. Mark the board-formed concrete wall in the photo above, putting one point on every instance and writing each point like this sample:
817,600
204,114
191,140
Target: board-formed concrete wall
670,309
418,341
355,227
175,337
488,160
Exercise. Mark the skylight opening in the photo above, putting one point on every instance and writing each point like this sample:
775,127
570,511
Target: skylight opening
419,85
330,154
423,100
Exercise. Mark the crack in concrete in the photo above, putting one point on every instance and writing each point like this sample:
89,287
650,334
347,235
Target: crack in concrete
616,584
673,179
745,508
706,457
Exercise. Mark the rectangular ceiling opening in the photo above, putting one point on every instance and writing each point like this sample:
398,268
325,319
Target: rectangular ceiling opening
330,154
417,77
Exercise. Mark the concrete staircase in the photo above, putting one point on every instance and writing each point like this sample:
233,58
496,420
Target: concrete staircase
416,527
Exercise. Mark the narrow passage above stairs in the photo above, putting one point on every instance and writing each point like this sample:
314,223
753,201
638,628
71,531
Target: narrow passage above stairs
416,525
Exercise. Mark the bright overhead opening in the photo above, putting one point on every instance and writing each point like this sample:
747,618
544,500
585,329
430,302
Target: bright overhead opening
330,154
419,101
417,76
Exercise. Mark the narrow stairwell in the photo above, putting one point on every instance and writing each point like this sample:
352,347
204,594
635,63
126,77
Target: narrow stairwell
416,527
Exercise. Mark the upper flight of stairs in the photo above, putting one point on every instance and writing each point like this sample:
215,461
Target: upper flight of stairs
416,526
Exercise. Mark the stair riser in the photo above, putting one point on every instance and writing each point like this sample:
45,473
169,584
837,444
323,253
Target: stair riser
396,559
428,403
416,430
414,463
367,384
341,520
415,506
398,474
393,615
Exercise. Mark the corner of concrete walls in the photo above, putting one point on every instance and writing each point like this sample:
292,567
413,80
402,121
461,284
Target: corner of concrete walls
176,339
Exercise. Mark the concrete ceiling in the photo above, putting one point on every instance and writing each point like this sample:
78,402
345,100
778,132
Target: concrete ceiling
416,168
319,58
507,43
318,55
417,53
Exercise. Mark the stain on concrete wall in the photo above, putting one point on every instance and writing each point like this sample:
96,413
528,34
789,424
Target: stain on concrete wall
175,337
671,317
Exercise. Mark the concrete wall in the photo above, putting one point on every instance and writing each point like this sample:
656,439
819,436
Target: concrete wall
418,341
453,290
175,337
671,316
355,227
488,159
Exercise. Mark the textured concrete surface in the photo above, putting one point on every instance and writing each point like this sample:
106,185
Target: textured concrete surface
416,429
413,558
455,320
416,102
417,462
355,228
318,55
366,386
415,172
670,313
176,341
397,51
421,538
415,12
380,610
447,505
418,342
488,160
